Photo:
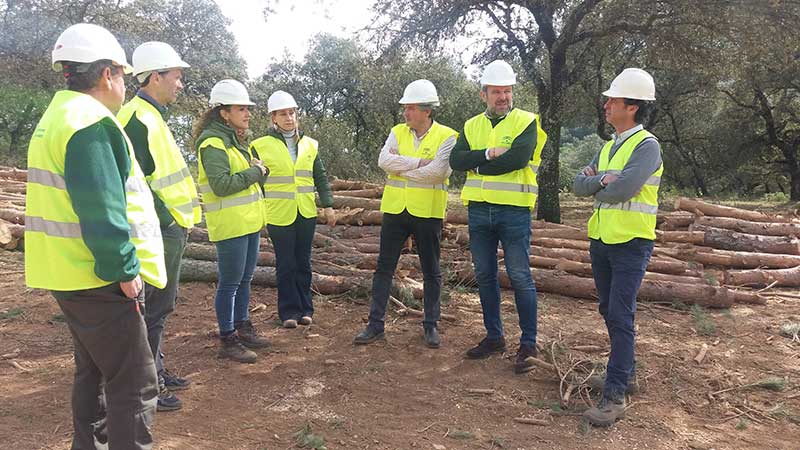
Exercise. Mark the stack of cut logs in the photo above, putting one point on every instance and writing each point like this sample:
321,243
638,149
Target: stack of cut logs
705,254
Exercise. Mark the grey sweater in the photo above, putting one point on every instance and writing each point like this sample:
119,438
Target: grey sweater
645,159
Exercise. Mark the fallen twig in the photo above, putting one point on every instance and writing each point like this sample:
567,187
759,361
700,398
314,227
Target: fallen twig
531,421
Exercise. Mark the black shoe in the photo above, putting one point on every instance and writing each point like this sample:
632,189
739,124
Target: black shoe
249,337
167,401
368,336
233,349
431,337
174,382
523,364
487,347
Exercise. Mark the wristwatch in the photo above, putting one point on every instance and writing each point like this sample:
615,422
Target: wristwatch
601,180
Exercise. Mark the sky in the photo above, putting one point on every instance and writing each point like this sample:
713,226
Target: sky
290,28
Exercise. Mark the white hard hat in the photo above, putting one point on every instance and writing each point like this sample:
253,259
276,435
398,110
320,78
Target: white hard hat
155,56
87,43
229,92
633,83
280,100
498,73
420,91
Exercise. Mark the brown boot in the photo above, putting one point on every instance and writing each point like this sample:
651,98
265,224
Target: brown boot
523,363
608,411
598,383
249,337
233,349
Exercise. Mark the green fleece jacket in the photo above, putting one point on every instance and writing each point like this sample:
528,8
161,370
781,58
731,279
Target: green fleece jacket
218,169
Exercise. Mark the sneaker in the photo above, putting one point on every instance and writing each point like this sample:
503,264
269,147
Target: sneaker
431,337
598,382
608,411
368,336
232,348
174,382
486,347
249,337
290,323
306,320
167,401
523,363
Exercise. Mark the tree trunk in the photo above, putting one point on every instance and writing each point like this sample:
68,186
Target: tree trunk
750,227
548,206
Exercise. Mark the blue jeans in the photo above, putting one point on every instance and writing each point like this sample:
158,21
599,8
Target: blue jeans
236,262
490,224
618,271
292,244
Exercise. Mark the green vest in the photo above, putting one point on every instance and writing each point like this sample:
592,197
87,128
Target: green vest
289,188
171,180
56,256
421,200
616,223
517,188
233,215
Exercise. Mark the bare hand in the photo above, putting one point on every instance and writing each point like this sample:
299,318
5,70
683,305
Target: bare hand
132,288
257,163
610,178
329,215
424,162
590,171
393,151
496,152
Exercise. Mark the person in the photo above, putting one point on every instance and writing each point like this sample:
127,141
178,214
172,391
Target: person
415,157
295,171
159,69
500,149
623,178
229,180
92,239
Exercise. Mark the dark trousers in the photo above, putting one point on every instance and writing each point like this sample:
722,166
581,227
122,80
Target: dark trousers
395,230
161,302
292,244
618,271
115,390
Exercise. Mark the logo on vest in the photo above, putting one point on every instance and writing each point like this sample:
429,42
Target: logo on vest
506,140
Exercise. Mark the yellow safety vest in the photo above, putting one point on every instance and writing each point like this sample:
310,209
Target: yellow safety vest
517,188
171,180
421,200
233,215
56,256
616,223
289,188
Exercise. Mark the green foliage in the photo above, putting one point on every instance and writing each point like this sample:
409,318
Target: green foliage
576,153
704,325
306,439
11,313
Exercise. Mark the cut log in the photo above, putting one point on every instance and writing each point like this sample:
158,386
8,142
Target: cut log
342,201
575,234
750,227
559,243
457,216
681,237
730,259
337,184
731,240
364,193
764,277
12,173
585,270
674,221
13,215
707,209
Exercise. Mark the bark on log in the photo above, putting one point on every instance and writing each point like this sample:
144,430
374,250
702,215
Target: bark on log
585,270
681,237
13,215
575,234
731,240
750,227
707,209
457,216
730,259
764,277
342,201
12,173
13,187
337,184
365,193
559,243
674,221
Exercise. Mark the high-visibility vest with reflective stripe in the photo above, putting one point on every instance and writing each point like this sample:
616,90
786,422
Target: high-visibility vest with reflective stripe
56,256
420,199
289,188
232,215
171,180
517,188
616,223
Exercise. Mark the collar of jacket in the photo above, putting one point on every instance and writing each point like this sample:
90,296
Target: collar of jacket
161,108
218,129
274,132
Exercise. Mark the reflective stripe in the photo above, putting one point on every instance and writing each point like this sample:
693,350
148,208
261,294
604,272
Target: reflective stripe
52,227
279,180
46,178
303,173
643,208
136,185
169,180
231,202
501,186
534,167
145,231
204,189
273,194
653,181
305,189
187,208
413,184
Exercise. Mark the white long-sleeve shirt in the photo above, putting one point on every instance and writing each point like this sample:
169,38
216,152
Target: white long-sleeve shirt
406,166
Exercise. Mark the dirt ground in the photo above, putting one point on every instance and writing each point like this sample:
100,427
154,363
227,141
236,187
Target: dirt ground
401,395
